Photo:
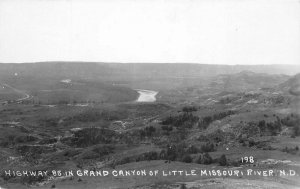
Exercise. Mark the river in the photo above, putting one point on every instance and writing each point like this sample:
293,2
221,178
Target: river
146,95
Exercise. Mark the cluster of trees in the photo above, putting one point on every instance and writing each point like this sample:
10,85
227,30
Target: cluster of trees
189,109
49,122
94,114
271,127
102,150
170,155
148,156
208,147
291,150
205,121
91,136
291,120
147,132
181,151
13,139
275,127
261,128
186,120
214,137
167,128
294,122
228,99
206,159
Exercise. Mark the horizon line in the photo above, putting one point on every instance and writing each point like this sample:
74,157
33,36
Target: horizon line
75,61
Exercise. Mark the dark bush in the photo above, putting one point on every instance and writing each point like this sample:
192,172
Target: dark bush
186,120
102,150
199,160
187,159
71,152
291,150
125,161
252,142
235,163
163,154
208,147
49,122
91,136
32,179
223,160
150,156
205,121
262,125
189,109
48,141
25,138
167,128
192,149
207,159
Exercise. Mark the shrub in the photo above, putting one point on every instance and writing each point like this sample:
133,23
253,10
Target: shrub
251,142
32,179
149,131
92,136
217,136
24,138
187,159
223,160
186,120
262,125
208,147
163,154
172,153
167,128
189,109
151,156
296,130
235,163
199,160
71,152
207,159
183,186
103,149
49,122
192,150
48,141
291,150
125,160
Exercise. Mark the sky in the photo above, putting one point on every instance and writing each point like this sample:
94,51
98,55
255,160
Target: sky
153,31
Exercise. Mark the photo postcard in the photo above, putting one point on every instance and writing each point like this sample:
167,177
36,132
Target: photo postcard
149,94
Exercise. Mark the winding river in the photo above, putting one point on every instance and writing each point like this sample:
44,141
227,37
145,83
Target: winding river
146,95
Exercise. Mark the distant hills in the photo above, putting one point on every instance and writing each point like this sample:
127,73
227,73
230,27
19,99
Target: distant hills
292,85
115,82
114,71
247,80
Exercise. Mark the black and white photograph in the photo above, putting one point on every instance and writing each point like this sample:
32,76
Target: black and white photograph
149,94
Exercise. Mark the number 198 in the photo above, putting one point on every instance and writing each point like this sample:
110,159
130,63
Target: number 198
247,159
